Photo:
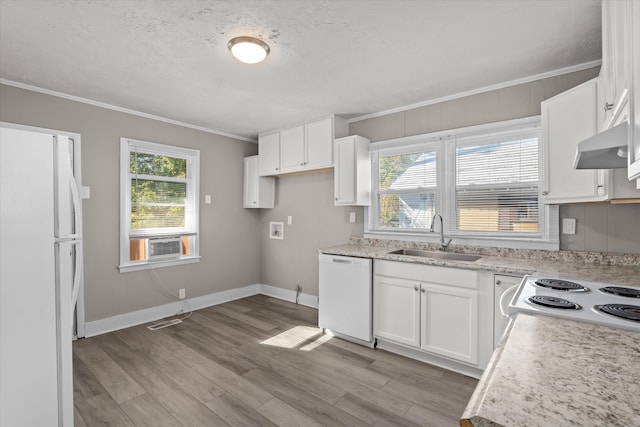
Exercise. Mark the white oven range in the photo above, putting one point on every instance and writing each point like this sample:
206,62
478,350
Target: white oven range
593,302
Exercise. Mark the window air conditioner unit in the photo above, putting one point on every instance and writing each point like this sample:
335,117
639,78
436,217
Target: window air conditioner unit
161,249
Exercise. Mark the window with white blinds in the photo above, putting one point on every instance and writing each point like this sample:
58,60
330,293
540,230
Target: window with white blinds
407,189
496,185
159,190
485,183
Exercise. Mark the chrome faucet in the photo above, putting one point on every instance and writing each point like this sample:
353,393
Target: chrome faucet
443,245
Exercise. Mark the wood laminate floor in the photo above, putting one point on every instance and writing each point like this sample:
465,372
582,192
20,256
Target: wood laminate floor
258,361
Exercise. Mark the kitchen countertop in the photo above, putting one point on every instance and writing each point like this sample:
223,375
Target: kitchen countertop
619,269
546,371
554,372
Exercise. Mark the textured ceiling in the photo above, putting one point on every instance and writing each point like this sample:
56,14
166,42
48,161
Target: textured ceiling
349,57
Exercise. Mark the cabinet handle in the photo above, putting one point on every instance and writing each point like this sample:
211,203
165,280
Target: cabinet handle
424,291
415,288
336,199
254,202
277,169
302,164
498,282
607,106
545,193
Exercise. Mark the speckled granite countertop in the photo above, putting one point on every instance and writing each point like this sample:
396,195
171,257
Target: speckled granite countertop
620,269
553,372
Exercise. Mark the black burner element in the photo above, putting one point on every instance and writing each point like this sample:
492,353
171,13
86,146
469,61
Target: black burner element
623,292
561,285
625,311
553,302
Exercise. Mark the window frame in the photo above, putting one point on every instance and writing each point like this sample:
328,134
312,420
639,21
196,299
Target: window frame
192,221
547,236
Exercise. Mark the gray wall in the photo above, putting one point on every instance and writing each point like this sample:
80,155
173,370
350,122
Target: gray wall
317,223
602,228
512,102
229,245
605,228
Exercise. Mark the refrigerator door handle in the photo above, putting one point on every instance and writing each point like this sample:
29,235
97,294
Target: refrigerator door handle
76,277
75,197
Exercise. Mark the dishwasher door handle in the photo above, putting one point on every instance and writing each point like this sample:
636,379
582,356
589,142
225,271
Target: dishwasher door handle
342,261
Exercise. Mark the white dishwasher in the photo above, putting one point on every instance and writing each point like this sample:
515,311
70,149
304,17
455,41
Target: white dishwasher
345,296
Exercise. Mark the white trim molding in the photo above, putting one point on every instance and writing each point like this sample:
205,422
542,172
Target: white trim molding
121,109
134,318
546,75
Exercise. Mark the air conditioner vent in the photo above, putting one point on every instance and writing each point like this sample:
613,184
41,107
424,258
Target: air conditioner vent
165,248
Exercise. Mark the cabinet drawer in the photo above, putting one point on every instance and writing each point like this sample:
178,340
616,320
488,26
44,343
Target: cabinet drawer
449,276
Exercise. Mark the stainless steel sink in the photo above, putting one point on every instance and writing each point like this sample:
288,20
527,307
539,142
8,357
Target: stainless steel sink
435,254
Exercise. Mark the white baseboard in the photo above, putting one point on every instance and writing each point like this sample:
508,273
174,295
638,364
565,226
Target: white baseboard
289,295
126,320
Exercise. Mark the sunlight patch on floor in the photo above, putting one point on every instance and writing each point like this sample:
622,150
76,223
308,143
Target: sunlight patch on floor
317,342
296,337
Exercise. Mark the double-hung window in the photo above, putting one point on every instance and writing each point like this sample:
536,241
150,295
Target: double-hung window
407,191
485,181
495,180
159,204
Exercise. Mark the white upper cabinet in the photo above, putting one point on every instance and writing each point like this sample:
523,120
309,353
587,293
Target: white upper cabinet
614,74
300,148
633,170
319,138
307,147
352,172
292,149
269,158
567,119
259,192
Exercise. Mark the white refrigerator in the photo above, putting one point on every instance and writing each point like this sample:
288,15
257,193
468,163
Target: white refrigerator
40,276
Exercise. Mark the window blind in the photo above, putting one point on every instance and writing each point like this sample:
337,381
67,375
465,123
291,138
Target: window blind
496,186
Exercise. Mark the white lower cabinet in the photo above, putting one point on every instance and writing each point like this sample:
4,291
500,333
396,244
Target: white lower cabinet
396,310
436,310
449,322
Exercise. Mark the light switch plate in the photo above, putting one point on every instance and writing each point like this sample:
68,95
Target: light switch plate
207,199
352,217
568,226
289,220
86,192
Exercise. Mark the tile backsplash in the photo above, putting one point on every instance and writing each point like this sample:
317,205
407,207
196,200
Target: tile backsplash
602,228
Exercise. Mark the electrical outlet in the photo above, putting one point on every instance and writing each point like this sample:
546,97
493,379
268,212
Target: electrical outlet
352,217
568,226
289,220
182,293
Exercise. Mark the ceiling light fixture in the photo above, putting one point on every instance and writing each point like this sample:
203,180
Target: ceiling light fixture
248,49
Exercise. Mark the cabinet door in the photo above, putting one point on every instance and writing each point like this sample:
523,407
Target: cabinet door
614,73
567,119
250,199
344,172
269,154
319,139
633,170
292,149
396,310
450,322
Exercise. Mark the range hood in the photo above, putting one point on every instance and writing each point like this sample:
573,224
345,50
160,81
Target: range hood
605,150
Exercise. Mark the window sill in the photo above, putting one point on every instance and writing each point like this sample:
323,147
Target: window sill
126,268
